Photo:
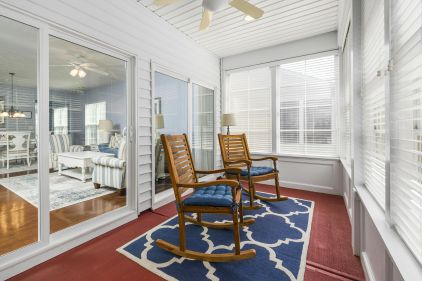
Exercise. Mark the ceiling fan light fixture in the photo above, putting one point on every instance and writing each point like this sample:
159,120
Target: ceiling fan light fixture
81,73
74,72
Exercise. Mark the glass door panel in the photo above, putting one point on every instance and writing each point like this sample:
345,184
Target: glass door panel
171,117
203,127
88,130
19,188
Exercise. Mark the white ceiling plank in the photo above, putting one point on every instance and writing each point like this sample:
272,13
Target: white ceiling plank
229,33
281,22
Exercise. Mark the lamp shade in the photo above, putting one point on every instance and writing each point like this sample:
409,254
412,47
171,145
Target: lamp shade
105,125
159,121
228,119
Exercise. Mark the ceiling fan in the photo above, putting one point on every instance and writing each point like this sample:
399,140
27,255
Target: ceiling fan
80,69
211,6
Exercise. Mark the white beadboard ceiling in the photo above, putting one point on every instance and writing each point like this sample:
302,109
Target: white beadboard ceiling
229,33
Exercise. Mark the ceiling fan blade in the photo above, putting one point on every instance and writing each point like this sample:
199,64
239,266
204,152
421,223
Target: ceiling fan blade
96,71
247,8
206,20
164,2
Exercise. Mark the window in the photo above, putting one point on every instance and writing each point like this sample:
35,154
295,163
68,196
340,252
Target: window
94,112
345,105
60,120
406,130
307,105
203,127
373,98
249,98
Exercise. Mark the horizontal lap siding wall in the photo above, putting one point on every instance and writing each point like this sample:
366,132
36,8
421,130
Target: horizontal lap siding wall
128,25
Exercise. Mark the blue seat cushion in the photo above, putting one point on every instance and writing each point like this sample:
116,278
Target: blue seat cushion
216,196
257,171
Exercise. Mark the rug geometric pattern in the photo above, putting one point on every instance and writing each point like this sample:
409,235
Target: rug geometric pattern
280,236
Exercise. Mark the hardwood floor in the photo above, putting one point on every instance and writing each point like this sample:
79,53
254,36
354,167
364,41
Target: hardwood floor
19,219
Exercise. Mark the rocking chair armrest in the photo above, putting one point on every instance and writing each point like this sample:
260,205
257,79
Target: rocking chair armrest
225,170
247,162
273,158
231,183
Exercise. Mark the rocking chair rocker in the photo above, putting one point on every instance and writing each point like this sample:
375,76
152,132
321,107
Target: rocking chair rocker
219,197
235,154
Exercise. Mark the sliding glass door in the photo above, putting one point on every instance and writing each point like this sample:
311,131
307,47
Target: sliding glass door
19,188
203,127
171,117
88,133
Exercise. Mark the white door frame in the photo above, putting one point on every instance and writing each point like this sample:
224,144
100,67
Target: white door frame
167,196
50,245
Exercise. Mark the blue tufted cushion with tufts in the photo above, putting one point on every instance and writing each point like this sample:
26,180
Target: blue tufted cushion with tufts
216,195
257,171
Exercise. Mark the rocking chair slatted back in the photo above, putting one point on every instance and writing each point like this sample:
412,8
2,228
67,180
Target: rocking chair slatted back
179,157
234,148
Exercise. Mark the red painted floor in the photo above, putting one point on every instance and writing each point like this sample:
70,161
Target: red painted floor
329,258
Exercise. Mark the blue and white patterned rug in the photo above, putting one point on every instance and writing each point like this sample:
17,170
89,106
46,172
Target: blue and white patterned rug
280,236
64,190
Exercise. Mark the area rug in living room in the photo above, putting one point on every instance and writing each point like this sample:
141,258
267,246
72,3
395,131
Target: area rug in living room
64,191
280,236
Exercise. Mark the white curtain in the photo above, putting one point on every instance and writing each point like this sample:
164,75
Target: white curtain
60,120
93,113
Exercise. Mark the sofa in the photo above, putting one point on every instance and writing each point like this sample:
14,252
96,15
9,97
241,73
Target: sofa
112,146
58,144
111,171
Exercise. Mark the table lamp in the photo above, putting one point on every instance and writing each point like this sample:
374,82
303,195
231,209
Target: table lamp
228,120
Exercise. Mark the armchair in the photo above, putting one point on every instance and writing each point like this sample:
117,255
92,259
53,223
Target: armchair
235,154
218,196
58,144
111,171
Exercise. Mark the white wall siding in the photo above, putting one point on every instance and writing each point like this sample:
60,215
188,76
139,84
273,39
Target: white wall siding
129,26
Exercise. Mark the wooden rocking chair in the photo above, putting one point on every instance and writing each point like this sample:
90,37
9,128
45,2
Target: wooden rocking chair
235,153
218,197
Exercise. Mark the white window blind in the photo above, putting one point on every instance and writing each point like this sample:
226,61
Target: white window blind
406,123
203,127
60,116
307,107
345,105
94,112
373,100
249,98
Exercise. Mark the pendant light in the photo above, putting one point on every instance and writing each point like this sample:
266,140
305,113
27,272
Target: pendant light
12,112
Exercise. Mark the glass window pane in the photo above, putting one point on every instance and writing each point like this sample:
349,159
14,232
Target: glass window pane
171,117
88,125
203,127
19,191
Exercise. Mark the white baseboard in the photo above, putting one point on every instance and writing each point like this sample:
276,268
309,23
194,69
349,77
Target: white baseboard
61,245
367,268
304,186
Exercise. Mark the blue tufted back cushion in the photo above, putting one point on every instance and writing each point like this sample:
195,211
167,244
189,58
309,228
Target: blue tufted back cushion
216,195
257,171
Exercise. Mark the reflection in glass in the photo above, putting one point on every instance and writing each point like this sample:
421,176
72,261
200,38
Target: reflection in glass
19,191
171,117
88,121
203,127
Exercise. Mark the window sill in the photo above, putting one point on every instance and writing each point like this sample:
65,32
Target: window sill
296,156
408,266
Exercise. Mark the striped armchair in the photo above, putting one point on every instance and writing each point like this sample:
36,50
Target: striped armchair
58,144
111,171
